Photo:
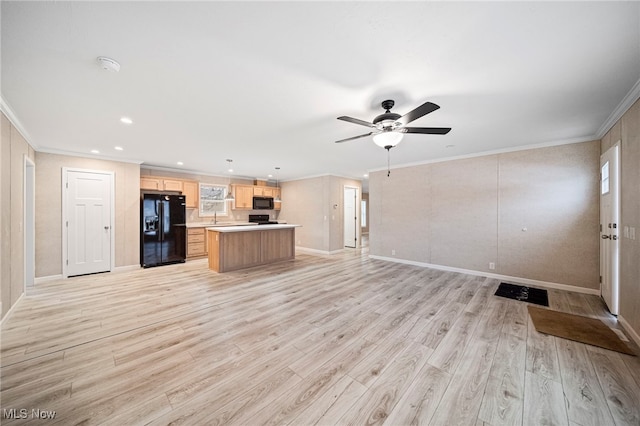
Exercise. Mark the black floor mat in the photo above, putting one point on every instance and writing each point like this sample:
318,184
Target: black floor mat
523,294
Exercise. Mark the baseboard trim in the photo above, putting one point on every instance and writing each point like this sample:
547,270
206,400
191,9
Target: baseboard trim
127,268
40,280
117,269
630,331
316,251
10,311
520,280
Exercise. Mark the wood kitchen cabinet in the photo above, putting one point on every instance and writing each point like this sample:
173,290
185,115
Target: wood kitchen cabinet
188,188
160,184
196,242
152,183
230,249
172,185
243,195
264,191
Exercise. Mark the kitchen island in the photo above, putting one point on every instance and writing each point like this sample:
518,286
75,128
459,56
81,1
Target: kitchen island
237,247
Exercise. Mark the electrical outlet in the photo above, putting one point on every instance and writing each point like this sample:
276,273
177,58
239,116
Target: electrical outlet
492,265
632,232
393,252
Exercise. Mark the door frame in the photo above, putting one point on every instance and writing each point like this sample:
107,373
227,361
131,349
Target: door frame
65,201
612,262
357,212
29,210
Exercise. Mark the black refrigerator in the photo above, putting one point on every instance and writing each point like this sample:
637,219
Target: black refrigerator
163,229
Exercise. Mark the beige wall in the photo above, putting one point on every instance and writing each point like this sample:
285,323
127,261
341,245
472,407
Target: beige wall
533,213
318,205
627,131
14,149
49,209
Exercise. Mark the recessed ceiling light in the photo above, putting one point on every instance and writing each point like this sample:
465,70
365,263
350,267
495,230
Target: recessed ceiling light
230,170
270,176
180,163
95,151
366,175
118,148
126,120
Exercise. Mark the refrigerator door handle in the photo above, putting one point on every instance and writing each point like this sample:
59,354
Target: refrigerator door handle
161,221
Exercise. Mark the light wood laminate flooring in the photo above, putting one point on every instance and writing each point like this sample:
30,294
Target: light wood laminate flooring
325,340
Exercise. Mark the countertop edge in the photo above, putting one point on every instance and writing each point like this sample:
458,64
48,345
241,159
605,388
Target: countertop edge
245,228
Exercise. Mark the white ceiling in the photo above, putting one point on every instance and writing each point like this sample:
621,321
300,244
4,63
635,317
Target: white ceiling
263,82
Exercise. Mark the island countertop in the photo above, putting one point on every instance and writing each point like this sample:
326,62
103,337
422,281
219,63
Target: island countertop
238,247
244,228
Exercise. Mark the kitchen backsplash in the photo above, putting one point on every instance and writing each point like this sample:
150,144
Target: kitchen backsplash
233,216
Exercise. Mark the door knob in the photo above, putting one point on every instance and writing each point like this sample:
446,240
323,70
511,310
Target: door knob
604,237
107,227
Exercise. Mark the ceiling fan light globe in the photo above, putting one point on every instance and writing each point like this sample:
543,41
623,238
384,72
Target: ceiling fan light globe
385,139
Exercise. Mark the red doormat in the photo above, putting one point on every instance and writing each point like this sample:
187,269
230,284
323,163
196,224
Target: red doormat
581,329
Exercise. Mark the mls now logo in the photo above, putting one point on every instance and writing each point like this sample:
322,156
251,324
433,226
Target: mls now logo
23,413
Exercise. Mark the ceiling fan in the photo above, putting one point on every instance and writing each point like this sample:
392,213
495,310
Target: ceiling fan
390,127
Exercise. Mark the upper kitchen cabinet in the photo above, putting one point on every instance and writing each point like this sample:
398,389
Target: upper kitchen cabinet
190,191
243,195
264,191
160,184
172,185
152,183
186,187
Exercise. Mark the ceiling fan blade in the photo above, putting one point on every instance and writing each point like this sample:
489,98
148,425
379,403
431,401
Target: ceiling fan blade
356,121
422,110
426,130
355,137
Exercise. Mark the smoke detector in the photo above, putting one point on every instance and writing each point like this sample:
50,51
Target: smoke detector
108,64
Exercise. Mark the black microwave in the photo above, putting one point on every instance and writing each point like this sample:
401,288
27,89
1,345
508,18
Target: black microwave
262,203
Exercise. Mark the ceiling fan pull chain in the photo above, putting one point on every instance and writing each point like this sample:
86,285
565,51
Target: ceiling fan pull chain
388,161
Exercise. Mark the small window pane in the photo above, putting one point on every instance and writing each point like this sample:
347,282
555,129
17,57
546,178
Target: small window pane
212,200
604,182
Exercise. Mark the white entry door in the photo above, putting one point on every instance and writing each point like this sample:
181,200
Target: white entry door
609,226
87,221
350,216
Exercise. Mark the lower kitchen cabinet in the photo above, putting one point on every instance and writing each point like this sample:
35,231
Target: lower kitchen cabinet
196,242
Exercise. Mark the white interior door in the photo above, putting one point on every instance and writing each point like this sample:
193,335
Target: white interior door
88,222
350,217
609,226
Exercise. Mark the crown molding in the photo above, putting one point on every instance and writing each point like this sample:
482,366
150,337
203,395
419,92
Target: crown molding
631,97
87,155
8,112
